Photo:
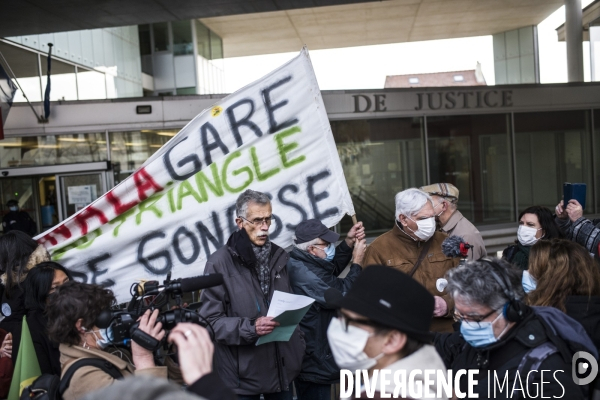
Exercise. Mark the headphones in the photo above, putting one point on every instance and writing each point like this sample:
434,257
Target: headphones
513,310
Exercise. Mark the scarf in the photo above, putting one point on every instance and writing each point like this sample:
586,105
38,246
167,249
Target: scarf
262,265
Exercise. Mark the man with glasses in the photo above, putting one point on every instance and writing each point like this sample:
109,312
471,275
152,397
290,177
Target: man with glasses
451,221
314,266
504,338
383,324
414,247
253,268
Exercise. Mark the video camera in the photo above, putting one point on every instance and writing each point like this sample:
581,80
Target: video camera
150,295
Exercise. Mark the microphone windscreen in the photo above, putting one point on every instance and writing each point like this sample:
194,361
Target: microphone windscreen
201,282
104,319
451,246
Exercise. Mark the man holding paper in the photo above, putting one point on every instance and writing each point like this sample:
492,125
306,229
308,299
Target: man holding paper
253,269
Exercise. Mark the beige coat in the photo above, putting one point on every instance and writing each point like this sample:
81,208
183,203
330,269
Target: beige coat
423,359
398,250
458,225
87,379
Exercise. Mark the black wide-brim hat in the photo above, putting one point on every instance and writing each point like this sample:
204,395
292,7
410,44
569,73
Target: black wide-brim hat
388,297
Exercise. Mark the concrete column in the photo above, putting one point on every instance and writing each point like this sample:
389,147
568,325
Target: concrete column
574,38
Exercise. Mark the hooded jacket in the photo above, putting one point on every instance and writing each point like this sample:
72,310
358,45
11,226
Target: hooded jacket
233,308
312,276
426,358
499,363
397,250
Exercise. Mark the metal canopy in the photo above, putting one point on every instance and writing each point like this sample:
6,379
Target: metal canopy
250,27
29,17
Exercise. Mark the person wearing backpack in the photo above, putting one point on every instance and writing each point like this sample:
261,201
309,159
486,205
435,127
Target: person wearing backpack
72,311
506,340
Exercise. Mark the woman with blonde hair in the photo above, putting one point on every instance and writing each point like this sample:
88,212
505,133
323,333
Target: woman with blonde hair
565,276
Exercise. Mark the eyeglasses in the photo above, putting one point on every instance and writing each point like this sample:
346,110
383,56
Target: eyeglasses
260,221
346,321
321,244
472,320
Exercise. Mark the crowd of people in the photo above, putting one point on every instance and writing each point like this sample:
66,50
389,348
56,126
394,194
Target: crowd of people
398,304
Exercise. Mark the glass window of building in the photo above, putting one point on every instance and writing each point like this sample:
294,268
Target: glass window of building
472,152
145,41
161,36
63,80
182,38
91,84
380,158
32,151
202,39
24,64
129,150
216,46
23,191
551,148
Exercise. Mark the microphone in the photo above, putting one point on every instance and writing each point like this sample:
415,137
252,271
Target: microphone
192,284
179,286
455,246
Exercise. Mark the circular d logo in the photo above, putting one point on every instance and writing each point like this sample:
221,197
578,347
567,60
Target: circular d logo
583,363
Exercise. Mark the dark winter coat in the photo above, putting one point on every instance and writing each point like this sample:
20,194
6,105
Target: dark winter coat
18,221
503,358
47,352
312,276
518,255
586,311
16,302
232,309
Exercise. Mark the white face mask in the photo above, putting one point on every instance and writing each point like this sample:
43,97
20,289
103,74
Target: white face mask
529,282
348,347
441,203
425,228
526,235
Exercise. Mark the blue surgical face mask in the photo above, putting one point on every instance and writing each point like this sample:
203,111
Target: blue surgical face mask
107,337
529,282
13,208
330,252
480,334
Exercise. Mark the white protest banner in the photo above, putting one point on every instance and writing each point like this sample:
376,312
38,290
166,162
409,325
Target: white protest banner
271,136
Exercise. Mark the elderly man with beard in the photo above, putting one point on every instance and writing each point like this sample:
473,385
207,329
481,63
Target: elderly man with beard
253,268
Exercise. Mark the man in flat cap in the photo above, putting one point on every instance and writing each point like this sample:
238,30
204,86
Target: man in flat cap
313,267
452,222
383,324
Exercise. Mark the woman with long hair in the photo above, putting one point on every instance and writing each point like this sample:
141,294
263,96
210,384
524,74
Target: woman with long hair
565,276
18,255
535,223
42,281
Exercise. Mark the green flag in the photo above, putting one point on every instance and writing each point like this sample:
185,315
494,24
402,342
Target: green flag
27,367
